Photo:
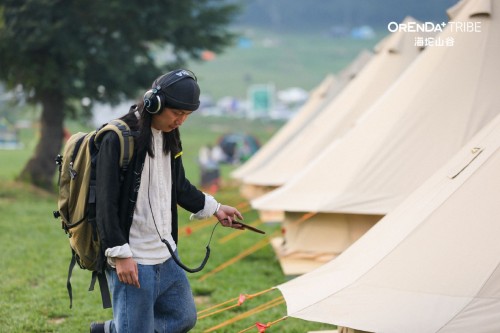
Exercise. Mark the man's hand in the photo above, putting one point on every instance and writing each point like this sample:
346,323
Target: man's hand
227,214
126,269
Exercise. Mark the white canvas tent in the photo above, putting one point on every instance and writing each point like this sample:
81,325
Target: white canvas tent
392,56
354,68
324,93
431,265
438,104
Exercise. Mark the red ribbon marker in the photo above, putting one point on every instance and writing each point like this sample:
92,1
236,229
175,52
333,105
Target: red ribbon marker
261,327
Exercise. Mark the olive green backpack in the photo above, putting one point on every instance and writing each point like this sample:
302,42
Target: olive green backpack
77,204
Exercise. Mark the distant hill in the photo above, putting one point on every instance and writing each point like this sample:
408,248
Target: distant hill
295,43
307,15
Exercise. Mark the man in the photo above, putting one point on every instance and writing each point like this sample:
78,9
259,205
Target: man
137,212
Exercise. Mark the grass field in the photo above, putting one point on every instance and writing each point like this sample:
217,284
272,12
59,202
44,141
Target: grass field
35,253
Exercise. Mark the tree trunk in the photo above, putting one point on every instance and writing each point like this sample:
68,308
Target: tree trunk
41,168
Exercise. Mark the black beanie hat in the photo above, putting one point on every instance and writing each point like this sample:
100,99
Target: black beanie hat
183,94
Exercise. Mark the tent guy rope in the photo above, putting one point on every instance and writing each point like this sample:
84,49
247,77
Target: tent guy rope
240,300
272,303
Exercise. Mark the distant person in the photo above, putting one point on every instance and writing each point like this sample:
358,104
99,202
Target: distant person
218,154
150,292
209,170
205,157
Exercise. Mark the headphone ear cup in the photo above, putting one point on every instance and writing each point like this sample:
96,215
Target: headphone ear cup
152,101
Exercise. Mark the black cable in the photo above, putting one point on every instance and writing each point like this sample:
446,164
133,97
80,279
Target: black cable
172,253
184,267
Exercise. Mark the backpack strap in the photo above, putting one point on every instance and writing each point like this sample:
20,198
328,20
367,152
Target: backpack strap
126,137
103,286
126,140
68,281
99,276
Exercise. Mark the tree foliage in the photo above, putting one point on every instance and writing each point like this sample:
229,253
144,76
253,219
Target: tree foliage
60,51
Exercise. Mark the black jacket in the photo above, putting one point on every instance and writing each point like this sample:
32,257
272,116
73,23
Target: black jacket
116,193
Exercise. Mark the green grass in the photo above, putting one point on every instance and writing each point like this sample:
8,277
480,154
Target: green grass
35,252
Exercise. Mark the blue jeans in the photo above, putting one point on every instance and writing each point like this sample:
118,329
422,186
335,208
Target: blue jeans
163,304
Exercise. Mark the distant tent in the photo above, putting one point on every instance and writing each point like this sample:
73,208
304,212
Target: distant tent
439,103
392,57
238,147
431,265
